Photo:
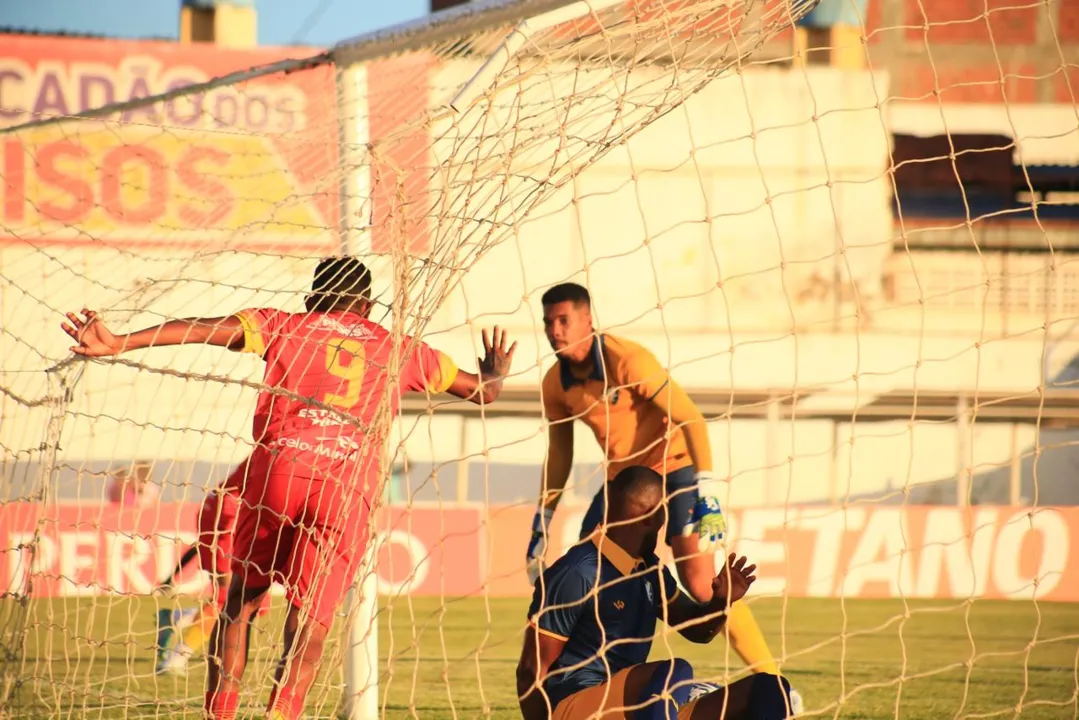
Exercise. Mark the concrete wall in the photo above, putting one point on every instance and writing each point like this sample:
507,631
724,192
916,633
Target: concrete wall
714,237
719,215
962,50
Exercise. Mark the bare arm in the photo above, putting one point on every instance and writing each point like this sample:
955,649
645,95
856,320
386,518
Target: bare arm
475,388
95,340
556,469
539,652
697,623
484,387
557,464
701,623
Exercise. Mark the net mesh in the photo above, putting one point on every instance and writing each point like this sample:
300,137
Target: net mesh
862,272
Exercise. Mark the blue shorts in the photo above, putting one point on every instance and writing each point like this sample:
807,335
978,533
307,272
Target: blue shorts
680,487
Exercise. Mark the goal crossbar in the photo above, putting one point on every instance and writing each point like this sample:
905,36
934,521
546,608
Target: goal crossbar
449,24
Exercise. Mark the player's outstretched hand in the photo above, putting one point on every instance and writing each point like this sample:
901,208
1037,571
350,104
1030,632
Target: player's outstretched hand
93,338
733,580
497,359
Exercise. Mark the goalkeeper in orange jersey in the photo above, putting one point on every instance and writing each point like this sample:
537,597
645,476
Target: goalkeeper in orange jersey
640,416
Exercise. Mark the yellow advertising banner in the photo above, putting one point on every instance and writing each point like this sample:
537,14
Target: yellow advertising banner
249,165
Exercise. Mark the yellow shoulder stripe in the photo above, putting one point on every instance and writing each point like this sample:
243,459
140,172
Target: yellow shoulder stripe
253,340
447,373
548,633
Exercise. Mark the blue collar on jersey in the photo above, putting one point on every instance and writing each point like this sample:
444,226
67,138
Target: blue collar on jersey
566,373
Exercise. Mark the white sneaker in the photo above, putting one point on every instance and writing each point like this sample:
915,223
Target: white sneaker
171,623
797,704
174,660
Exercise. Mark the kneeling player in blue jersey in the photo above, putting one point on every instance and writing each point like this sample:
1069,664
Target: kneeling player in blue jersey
593,617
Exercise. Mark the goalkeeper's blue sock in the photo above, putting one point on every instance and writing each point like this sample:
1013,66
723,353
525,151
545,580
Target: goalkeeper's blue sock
670,679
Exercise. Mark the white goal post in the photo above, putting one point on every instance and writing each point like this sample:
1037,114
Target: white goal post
498,31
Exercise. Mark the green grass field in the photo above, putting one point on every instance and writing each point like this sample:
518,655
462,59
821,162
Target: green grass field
91,658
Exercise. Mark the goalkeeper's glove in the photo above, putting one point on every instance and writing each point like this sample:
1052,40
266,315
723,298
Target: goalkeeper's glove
708,522
537,546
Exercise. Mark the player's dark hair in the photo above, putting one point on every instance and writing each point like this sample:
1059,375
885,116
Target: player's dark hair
630,487
339,282
567,292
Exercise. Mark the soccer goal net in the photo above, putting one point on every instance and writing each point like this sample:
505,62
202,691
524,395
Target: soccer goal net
846,229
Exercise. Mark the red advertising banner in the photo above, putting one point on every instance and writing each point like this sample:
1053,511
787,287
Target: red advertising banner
860,552
251,164
109,549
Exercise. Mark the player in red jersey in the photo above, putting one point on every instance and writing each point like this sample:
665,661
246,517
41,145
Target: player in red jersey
333,380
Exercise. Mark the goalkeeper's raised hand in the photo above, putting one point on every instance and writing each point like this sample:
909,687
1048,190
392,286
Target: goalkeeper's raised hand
537,544
708,522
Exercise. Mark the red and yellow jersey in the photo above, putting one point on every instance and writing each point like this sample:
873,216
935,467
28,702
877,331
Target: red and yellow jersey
341,360
615,400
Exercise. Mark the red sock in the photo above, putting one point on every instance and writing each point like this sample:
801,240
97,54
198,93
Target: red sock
222,705
286,701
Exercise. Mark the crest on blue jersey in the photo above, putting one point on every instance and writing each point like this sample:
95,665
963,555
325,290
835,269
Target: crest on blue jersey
700,689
